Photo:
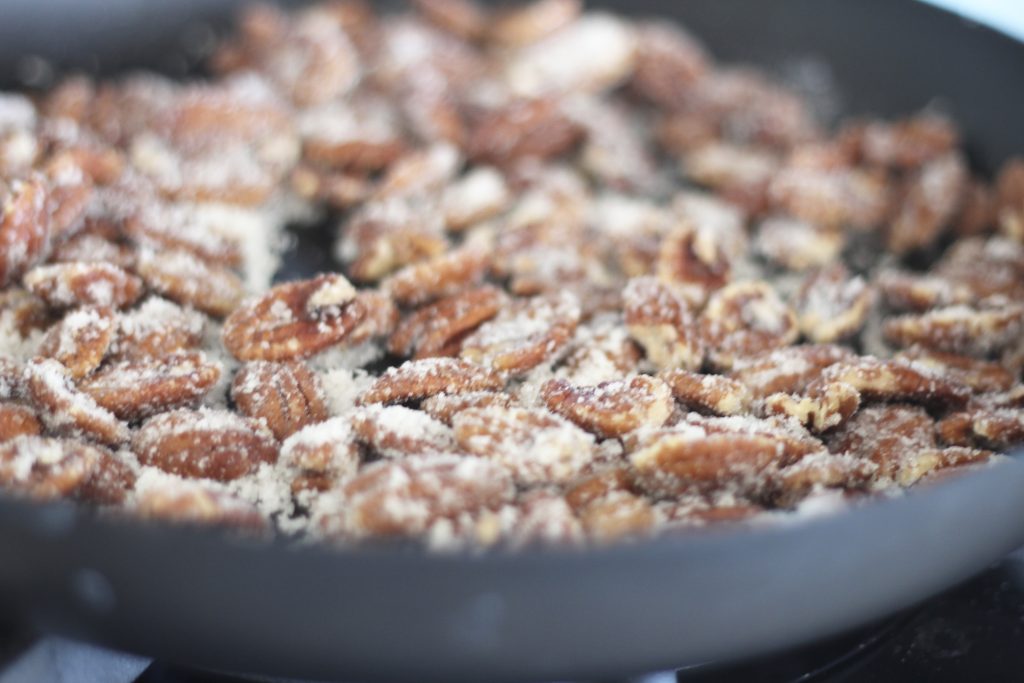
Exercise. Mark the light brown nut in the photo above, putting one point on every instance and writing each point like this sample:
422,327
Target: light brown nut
930,204
524,334
826,405
294,320
24,226
1000,429
796,244
445,407
404,497
183,278
384,235
543,519
398,432
63,285
321,456
360,136
137,388
175,227
694,261
611,409
976,331
979,375
919,292
824,470
832,305
535,445
660,320
792,440
667,60
441,276
380,320
480,194
711,393
618,516
677,460
744,319
908,143
66,411
70,191
90,247
829,195
204,444
26,311
464,18
985,267
17,420
156,328
193,502
787,370
931,464
81,339
439,328
740,174
419,379
891,436
956,429
524,24
1010,198
523,129
285,396
602,350
894,380
46,468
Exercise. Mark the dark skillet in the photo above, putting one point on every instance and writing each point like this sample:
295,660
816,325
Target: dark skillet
192,596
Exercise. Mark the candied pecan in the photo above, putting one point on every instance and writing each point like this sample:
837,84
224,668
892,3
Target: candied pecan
439,277
919,292
537,446
675,460
338,190
595,486
907,143
931,202
445,407
788,370
894,380
667,60
439,328
740,174
385,235
523,129
611,409
463,18
660,320
64,285
183,278
81,339
987,267
543,518
321,455
1010,198
136,388
47,468
892,436
404,497
826,405
172,228
831,196
203,444
24,226
601,350
524,334
831,305
617,516
285,396
419,379
712,393
360,136
694,261
64,409
397,431
25,310
92,247
294,320
932,463
17,420
524,24
979,375
824,470
12,379
69,193
480,194
380,320
744,319
959,329
796,244
157,327
792,440
192,502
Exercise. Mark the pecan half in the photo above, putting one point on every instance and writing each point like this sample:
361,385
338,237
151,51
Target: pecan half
285,396
63,285
439,328
65,410
415,380
81,339
611,409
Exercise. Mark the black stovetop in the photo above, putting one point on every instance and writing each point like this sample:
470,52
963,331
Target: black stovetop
974,632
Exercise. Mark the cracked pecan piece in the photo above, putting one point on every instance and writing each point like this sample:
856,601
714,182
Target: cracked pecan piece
894,380
744,319
285,396
204,444
979,375
694,261
661,321
321,456
81,339
538,447
294,320
419,379
963,329
826,405
66,285
611,409
715,394
787,370
832,305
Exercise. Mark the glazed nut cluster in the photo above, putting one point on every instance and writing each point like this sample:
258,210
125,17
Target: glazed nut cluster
587,285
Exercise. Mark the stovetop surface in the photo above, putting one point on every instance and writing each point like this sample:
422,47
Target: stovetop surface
974,632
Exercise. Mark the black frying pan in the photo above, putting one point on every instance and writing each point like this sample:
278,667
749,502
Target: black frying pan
194,596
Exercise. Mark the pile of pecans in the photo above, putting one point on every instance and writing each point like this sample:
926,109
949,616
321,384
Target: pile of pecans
591,286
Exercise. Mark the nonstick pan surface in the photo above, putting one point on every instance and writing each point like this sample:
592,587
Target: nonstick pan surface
196,597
